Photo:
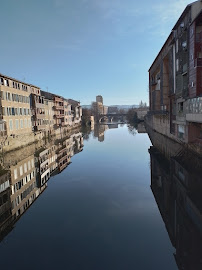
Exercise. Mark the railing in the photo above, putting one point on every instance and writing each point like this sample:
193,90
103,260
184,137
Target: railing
58,99
58,107
40,115
194,105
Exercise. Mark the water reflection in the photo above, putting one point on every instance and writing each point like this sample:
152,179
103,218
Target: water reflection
99,130
24,174
176,176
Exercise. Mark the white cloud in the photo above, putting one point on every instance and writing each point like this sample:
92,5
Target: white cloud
166,14
169,11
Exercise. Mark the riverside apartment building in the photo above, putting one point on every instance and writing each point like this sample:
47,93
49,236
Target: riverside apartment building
175,81
15,111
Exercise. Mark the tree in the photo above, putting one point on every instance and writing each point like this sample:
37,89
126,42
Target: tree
132,115
142,104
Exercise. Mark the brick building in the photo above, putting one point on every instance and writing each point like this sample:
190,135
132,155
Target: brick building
175,80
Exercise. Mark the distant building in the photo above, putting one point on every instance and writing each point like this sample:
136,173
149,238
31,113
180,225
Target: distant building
99,99
97,108
76,111
105,109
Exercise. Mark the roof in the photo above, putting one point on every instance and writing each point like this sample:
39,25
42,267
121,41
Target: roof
16,80
73,102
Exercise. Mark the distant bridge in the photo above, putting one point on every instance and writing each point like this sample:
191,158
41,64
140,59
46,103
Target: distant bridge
111,116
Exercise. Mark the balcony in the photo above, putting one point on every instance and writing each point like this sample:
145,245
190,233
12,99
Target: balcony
63,166
194,110
58,107
62,159
40,115
39,105
194,105
59,115
58,99
194,117
198,62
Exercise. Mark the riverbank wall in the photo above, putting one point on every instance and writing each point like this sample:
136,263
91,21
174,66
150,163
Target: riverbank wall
158,129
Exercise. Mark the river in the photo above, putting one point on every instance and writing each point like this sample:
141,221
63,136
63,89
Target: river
101,212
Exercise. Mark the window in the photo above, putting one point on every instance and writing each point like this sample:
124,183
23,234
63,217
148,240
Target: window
184,44
180,107
32,163
16,124
25,167
15,174
21,123
177,46
6,82
10,125
21,170
182,25
181,131
25,123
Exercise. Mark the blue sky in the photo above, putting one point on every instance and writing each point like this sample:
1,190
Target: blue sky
82,48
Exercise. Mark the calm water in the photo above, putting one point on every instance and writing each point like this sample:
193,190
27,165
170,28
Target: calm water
99,213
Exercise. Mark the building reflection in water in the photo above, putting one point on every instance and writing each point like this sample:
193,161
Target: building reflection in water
24,174
176,182
99,130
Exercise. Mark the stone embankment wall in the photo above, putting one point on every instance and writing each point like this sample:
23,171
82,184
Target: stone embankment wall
167,146
161,124
158,129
